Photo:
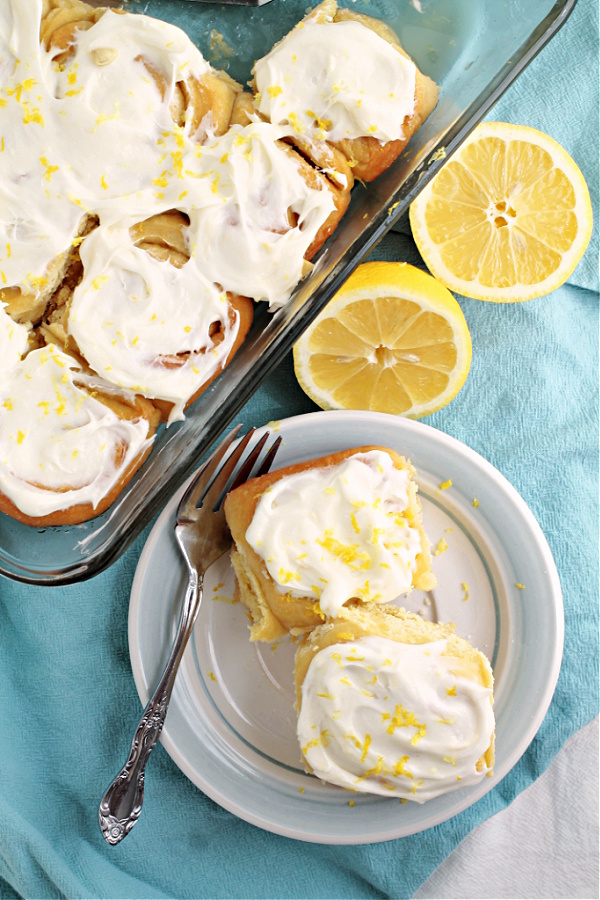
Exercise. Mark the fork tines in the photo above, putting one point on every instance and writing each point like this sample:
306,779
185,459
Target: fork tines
214,480
246,470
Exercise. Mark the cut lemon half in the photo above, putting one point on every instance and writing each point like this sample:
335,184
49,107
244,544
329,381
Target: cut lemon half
393,339
507,218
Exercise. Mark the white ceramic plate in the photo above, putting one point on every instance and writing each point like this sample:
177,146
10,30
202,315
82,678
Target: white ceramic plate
231,723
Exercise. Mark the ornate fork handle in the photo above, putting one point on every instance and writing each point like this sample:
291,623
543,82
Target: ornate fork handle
122,803
202,535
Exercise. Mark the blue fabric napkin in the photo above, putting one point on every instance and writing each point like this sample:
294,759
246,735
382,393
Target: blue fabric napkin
67,698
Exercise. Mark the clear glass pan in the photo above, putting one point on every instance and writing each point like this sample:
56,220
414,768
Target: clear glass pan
473,49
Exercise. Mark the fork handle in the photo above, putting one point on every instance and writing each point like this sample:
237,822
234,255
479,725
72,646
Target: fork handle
121,805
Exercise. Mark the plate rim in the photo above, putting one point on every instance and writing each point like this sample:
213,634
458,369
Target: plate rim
556,651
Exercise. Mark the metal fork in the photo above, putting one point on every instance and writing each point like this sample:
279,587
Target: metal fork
203,536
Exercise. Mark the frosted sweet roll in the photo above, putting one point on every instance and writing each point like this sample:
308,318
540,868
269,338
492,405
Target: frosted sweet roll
146,204
393,705
67,444
310,538
343,77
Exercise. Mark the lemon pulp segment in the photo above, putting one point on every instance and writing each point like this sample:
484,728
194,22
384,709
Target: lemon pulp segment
392,340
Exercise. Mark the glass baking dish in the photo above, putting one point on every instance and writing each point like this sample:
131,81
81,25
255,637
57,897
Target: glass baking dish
473,49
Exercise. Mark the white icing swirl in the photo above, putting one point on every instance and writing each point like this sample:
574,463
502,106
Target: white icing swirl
241,226
113,74
131,313
98,138
84,150
354,540
335,80
92,134
59,446
145,325
400,720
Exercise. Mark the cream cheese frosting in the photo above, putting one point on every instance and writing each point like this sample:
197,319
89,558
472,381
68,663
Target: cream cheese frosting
55,437
69,147
336,80
89,137
146,325
242,227
13,342
400,720
132,313
95,135
125,69
355,539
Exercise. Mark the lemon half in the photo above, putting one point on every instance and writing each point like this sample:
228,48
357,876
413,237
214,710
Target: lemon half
393,339
507,218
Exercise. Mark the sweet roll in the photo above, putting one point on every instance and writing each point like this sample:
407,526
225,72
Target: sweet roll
367,109
67,444
312,537
391,704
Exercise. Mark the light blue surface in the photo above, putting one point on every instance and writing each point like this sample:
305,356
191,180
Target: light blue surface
67,697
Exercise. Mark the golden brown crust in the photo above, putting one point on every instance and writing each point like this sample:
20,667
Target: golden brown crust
368,156
217,93
243,109
273,612
29,307
60,22
318,181
327,159
194,99
164,237
52,290
243,308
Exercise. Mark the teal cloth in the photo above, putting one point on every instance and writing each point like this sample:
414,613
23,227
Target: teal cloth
67,697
